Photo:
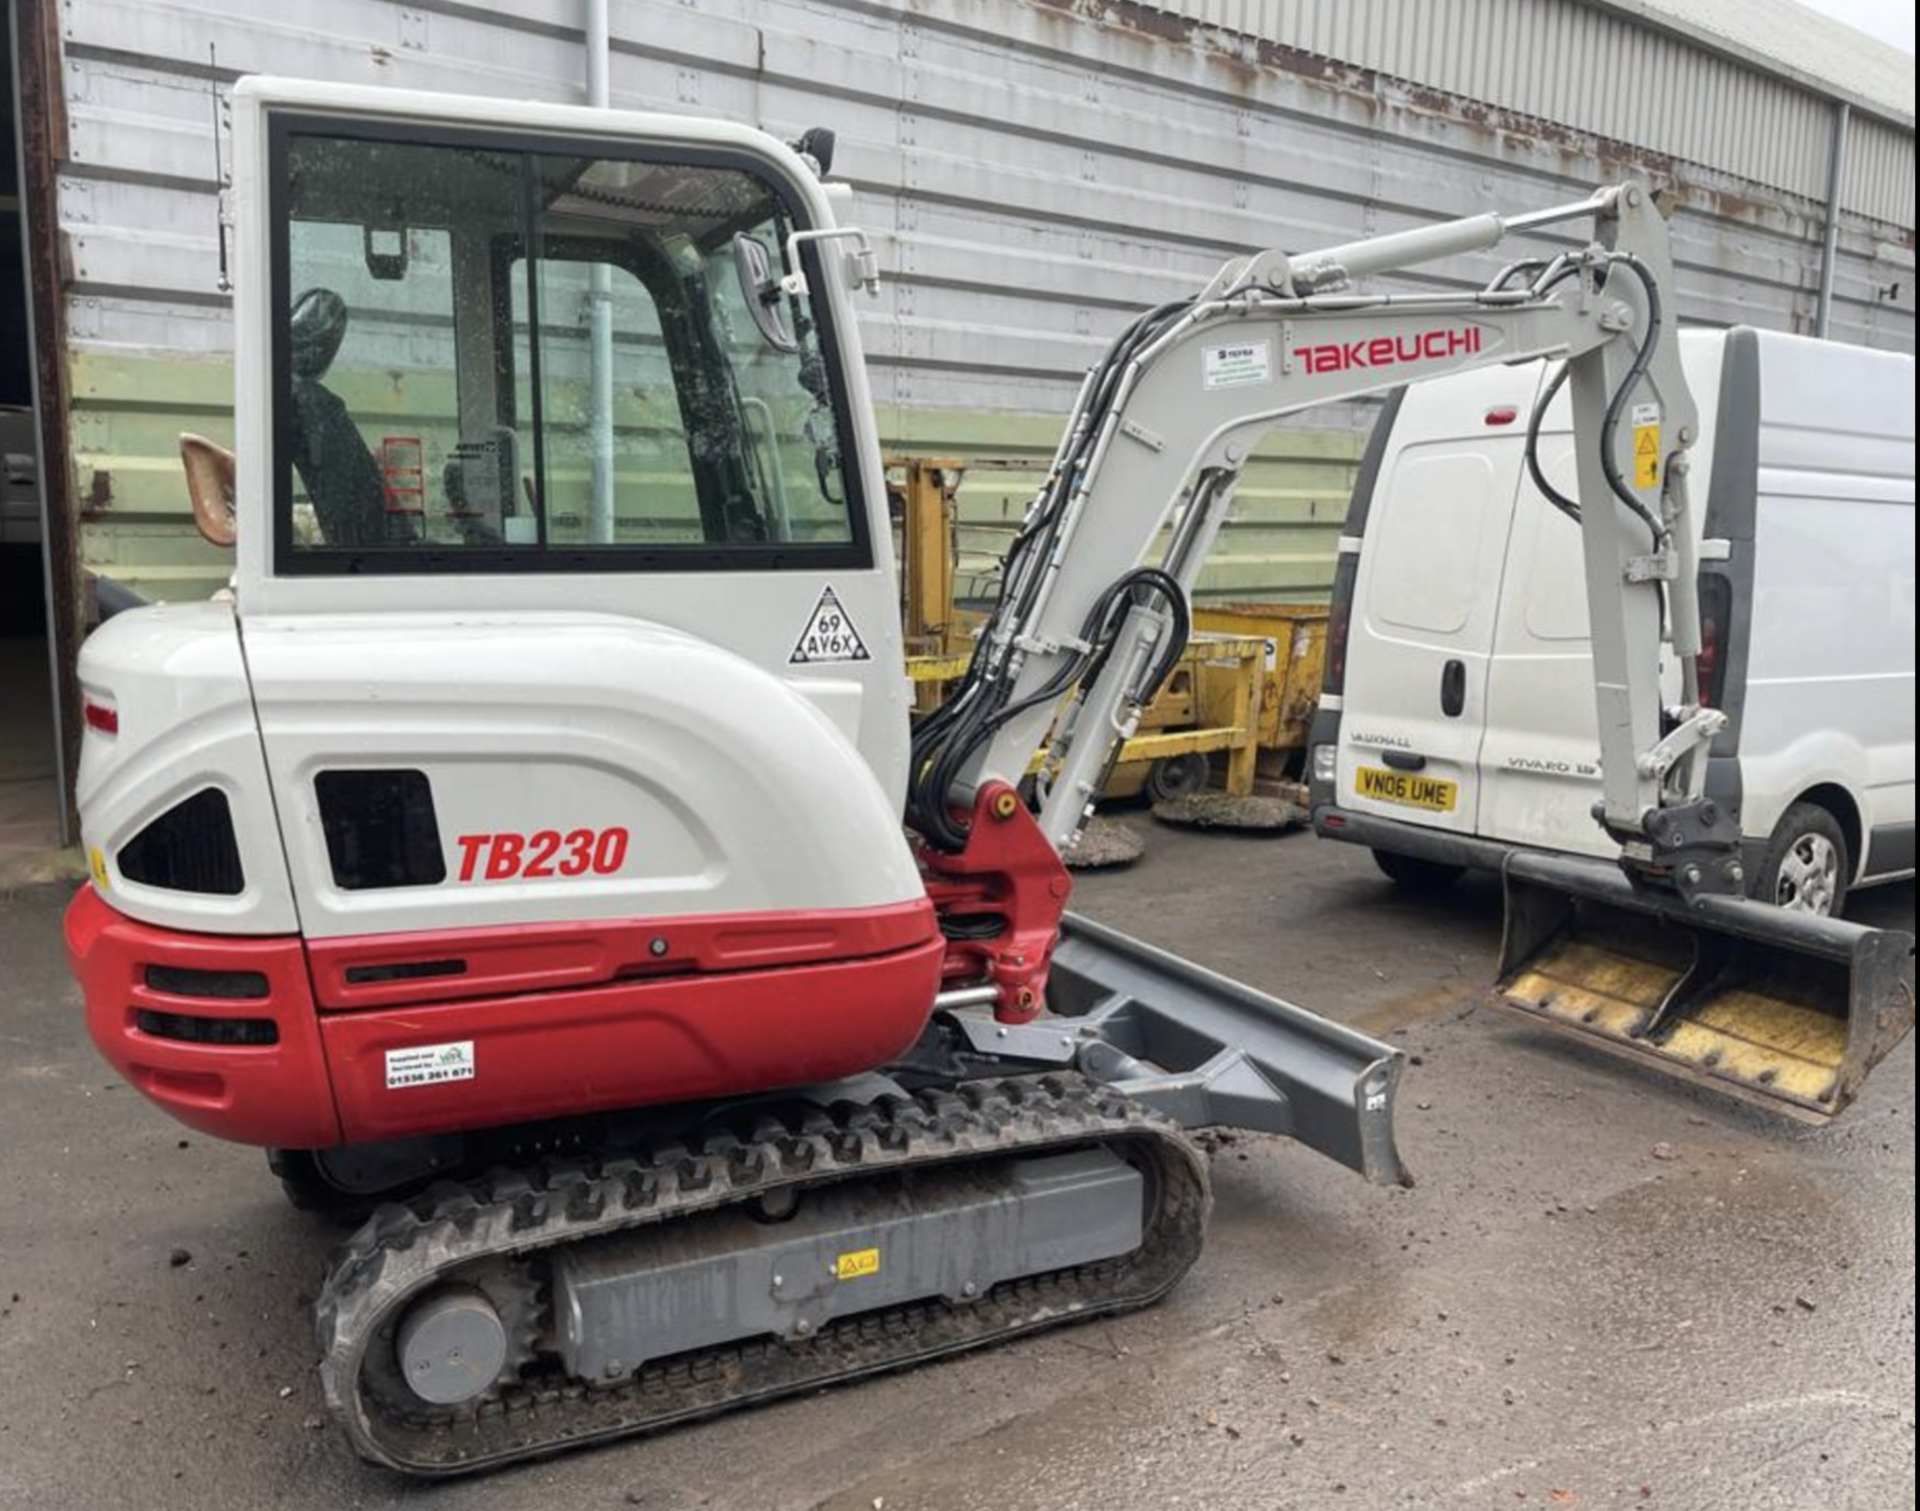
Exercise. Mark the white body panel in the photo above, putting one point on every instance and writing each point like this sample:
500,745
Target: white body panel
174,677
1830,687
1825,697
738,795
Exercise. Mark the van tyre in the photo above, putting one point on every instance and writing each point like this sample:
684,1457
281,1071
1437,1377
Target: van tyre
1807,865
1426,877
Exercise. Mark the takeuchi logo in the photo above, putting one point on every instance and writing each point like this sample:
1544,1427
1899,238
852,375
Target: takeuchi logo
1389,351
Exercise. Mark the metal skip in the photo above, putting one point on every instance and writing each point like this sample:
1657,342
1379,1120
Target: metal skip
1784,1009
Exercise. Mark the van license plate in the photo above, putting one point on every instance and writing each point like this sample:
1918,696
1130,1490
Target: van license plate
1407,788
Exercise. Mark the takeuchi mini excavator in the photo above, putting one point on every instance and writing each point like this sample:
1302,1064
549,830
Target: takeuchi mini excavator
533,847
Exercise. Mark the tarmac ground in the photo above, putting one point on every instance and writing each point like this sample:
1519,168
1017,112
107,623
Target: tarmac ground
1607,1289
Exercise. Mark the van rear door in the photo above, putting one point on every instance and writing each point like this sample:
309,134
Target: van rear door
1427,598
1539,760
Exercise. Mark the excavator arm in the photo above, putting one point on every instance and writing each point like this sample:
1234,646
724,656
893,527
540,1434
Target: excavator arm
1662,955
1165,423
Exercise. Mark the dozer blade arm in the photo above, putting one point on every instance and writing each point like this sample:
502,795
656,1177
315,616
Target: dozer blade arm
1784,1009
1210,1052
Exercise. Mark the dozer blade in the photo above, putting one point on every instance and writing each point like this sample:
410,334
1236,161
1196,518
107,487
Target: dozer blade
1784,1009
1209,1052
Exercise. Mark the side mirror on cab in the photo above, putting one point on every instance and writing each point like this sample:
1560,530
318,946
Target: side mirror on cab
760,289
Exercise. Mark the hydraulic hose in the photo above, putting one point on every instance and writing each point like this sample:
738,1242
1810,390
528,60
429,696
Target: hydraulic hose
950,735
1610,424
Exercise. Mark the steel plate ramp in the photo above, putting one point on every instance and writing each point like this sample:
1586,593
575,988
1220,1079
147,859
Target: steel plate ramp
1780,1008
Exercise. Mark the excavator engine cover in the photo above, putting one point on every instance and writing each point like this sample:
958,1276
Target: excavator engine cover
1781,1008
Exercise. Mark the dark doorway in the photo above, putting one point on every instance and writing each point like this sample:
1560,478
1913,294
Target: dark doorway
30,802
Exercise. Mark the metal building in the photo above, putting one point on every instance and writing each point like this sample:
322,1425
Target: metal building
1032,170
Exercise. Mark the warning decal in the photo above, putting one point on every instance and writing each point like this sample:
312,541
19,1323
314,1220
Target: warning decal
829,635
430,1064
1646,445
857,1265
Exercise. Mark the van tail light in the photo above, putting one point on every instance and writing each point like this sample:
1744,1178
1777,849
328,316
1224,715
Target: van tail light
1340,621
1504,414
101,716
1716,602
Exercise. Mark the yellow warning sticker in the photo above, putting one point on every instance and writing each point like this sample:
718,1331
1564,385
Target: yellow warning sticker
1646,456
856,1264
1646,445
97,865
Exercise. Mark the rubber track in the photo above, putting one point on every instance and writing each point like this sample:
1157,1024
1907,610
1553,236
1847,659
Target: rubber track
403,1250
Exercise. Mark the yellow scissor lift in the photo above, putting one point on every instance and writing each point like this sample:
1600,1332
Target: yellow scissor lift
1244,692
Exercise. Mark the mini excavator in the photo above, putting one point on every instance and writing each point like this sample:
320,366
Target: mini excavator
533,849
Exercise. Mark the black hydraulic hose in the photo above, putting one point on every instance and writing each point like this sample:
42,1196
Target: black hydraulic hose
1610,424
935,778
1642,360
1182,614
1567,506
1158,581
947,737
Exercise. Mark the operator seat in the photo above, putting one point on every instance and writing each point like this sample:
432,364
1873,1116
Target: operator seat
329,453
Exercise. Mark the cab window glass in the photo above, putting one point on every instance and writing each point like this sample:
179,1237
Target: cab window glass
546,361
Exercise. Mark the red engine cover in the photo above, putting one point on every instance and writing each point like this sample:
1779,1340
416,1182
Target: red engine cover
579,1018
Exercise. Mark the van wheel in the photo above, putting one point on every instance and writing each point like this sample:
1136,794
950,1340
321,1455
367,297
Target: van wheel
1415,874
1806,866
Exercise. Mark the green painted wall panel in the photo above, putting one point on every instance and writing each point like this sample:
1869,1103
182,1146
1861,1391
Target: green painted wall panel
129,410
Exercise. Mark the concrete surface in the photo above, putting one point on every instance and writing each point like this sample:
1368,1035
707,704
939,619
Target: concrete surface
29,798
1607,1290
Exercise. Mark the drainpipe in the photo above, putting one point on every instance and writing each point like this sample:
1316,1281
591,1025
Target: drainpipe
600,510
1830,245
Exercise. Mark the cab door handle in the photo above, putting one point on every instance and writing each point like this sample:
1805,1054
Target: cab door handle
1453,689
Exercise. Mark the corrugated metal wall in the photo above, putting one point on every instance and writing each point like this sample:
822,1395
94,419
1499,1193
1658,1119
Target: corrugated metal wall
1879,171
1033,172
1597,71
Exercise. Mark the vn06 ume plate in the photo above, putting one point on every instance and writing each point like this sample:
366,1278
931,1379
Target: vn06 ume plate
1407,788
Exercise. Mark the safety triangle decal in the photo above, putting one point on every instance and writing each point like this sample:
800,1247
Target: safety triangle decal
829,635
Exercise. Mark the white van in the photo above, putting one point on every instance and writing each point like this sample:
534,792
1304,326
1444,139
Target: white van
1459,652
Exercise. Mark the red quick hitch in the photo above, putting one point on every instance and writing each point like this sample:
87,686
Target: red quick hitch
1000,900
